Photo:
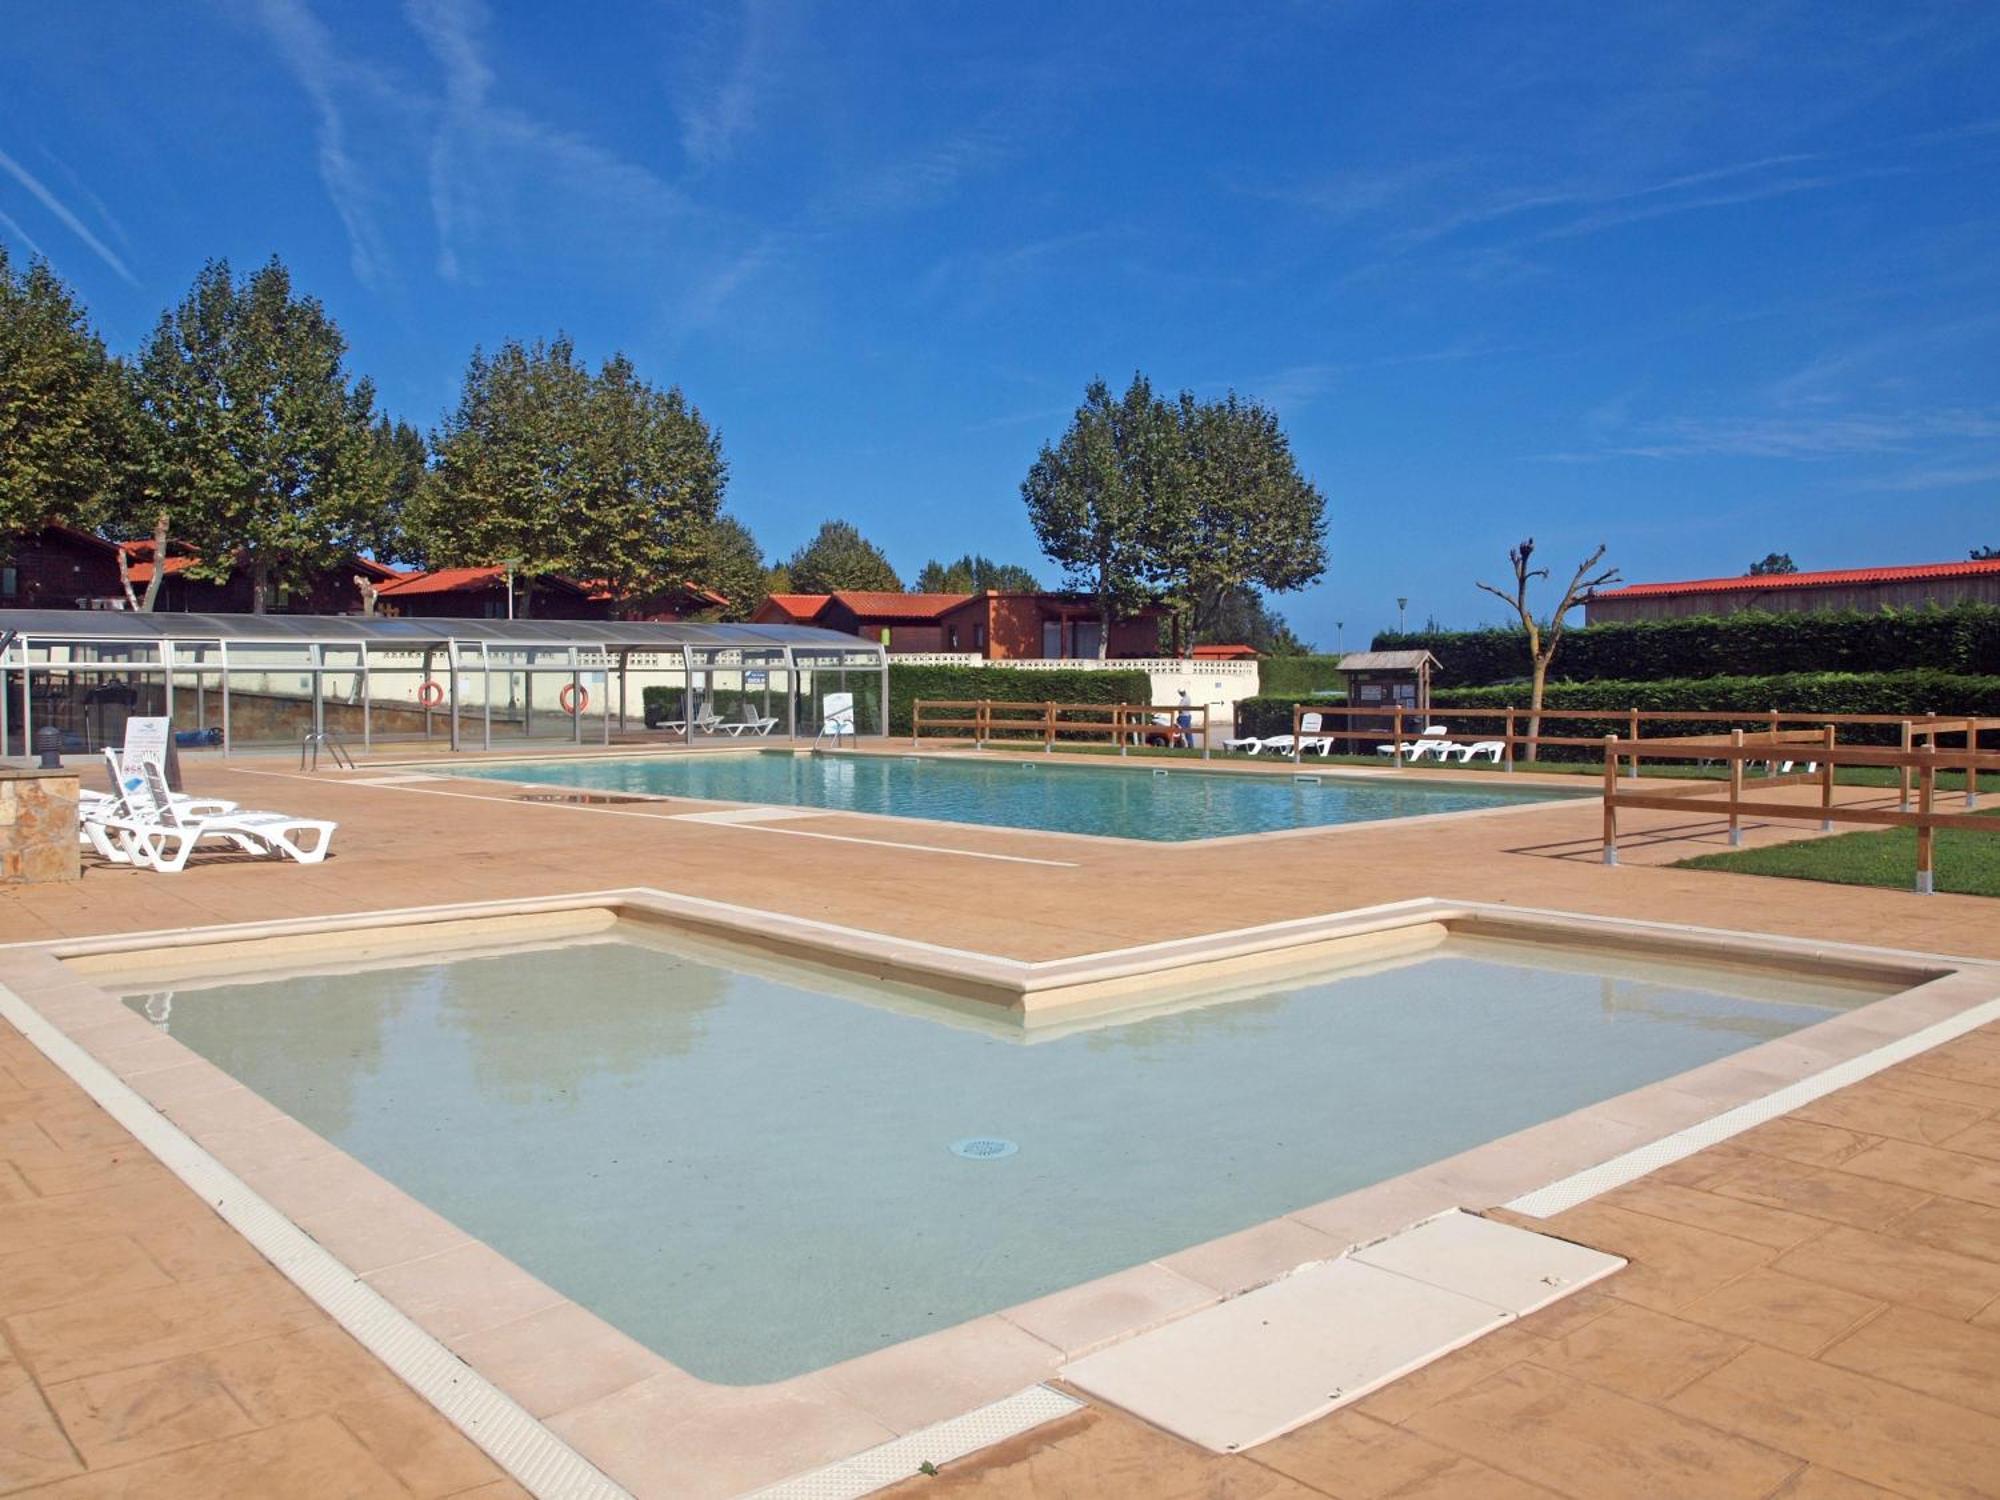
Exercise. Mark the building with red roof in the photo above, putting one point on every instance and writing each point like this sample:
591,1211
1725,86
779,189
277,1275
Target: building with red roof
998,626
1912,586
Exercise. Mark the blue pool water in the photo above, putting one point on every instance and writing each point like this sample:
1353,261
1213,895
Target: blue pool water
759,1169
1136,802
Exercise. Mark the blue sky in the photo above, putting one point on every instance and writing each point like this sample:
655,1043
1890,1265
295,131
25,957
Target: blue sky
1699,281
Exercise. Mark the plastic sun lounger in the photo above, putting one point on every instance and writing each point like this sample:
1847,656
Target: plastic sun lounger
1434,736
158,835
1491,749
95,809
1308,740
1249,744
755,725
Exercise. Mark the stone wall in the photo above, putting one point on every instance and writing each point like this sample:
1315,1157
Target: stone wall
38,827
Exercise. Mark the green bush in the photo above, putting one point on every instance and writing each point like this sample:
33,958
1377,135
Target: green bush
1965,639
1299,677
1009,685
1271,713
1793,693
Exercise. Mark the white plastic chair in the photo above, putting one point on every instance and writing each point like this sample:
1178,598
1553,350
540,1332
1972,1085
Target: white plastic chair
158,834
95,810
1308,739
750,724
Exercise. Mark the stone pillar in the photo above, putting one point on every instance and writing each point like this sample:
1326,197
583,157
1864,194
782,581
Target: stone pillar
38,826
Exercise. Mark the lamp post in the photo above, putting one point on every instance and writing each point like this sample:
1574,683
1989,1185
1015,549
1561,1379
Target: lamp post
1401,605
510,564
1339,636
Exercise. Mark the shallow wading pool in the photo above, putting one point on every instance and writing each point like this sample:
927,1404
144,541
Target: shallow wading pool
758,1167
1159,804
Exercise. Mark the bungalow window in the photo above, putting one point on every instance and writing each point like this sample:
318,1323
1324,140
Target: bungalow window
1085,636
10,582
979,638
951,637
1052,639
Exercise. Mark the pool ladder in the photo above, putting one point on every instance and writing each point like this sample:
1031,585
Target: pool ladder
313,740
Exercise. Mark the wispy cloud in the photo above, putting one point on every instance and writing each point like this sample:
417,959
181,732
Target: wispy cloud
307,49
14,228
63,216
1940,477
720,99
1801,437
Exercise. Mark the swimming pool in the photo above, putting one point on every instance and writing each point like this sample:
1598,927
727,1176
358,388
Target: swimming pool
1168,806
757,1171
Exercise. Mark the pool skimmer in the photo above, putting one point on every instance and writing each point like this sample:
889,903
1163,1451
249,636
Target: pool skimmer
983,1148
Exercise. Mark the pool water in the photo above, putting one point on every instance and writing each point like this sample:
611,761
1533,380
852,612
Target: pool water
1135,803
754,1173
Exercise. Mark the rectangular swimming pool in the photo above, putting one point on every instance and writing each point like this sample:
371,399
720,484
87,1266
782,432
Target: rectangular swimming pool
758,1168
1159,804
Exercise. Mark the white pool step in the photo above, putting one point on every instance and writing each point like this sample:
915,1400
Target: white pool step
1250,1369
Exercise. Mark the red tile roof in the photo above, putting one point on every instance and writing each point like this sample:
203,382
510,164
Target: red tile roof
1231,652
873,605
459,580
800,607
1912,573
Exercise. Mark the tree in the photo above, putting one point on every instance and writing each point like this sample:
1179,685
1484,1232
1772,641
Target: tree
974,574
69,448
1089,496
401,460
1242,615
264,450
1774,563
1236,513
1544,637
840,557
1985,554
733,566
601,477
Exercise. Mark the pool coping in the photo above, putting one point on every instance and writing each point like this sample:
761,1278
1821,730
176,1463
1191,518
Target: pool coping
622,1407
1524,798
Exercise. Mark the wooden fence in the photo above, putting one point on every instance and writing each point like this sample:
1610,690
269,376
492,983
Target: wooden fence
1741,796
1123,724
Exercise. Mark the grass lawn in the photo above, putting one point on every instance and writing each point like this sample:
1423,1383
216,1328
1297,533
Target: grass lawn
1967,863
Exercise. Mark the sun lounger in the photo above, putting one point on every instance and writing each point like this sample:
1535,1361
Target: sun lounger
157,833
1433,739
95,809
1248,744
750,724
1491,749
1308,740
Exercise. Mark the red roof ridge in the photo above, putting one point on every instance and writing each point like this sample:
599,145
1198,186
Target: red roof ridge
1903,573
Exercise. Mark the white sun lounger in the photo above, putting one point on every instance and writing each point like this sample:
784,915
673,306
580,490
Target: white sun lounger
1491,749
157,834
1434,738
1248,744
752,725
95,809
1309,739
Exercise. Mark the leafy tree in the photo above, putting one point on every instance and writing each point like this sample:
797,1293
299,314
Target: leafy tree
1773,564
265,451
69,440
1089,496
974,574
1242,615
1235,514
401,459
733,566
840,557
1985,554
1544,636
601,477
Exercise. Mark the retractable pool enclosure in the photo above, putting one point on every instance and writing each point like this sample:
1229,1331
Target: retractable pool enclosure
242,681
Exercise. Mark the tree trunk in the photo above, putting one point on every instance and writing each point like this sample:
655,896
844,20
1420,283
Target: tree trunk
260,587
524,600
1535,707
143,603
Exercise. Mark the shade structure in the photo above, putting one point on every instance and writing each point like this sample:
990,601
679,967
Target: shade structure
240,680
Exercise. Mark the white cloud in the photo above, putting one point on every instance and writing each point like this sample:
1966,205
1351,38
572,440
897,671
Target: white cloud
63,216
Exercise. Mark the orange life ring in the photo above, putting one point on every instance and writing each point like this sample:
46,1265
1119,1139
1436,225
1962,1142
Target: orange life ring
573,698
431,694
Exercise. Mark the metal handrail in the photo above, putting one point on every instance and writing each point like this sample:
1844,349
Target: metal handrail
311,742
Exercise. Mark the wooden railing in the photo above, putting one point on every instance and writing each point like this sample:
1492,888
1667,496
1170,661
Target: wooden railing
1396,731
1741,796
1125,724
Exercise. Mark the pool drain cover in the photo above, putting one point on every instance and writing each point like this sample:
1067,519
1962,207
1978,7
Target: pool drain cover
983,1148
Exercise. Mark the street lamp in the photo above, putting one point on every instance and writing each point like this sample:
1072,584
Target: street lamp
510,564
1401,605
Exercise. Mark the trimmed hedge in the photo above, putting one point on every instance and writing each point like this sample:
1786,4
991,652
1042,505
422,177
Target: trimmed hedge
1964,639
1271,713
1793,693
1009,685
1299,677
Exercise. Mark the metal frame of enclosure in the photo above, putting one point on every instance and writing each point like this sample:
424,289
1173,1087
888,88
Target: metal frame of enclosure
266,680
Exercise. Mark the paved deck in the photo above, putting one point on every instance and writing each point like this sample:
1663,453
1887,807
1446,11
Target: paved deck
1812,1309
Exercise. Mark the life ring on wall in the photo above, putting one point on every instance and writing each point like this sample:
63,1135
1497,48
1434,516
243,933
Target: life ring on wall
431,694
573,698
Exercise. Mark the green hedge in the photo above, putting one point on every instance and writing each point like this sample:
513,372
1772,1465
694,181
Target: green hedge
1299,677
1965,639
1794,693
1009,685
1271,713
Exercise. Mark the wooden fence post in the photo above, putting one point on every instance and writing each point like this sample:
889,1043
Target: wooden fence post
1298,718
1205,737
1611,799
1971,770
1510,737
1735,788
1826,781
1635,740
1903,771
1396,735
1048,728
1926,833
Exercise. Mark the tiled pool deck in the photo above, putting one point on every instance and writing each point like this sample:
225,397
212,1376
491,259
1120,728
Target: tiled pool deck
1813,1308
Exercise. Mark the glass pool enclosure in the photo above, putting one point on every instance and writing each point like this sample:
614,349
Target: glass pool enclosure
230,680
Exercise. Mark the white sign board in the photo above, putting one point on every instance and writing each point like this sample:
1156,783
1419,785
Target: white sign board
149,739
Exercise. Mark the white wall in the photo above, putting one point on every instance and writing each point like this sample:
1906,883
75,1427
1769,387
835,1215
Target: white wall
1218,684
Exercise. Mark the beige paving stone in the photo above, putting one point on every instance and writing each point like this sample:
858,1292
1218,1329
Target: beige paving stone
1867,1428
195,1247
1505,1346
1348,1454
942,1374
1708,1210
1783,1311
1895,1270
1928,1169
316,1459
561,1358
1831,1194
1671,1264
418,1446
316,1369
86,1171
1947,1224
33,1447
1083,1317
1815,1482
1804,1141
1638,1352
1982,1138
1906,1080
1888,1112
1587,1442
1468,1479
127,1415
51,1275
463,1290
1938,1356
1240,1261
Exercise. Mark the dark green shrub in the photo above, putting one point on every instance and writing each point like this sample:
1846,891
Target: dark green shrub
1009,685
1299,677
1965,639
1271,713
